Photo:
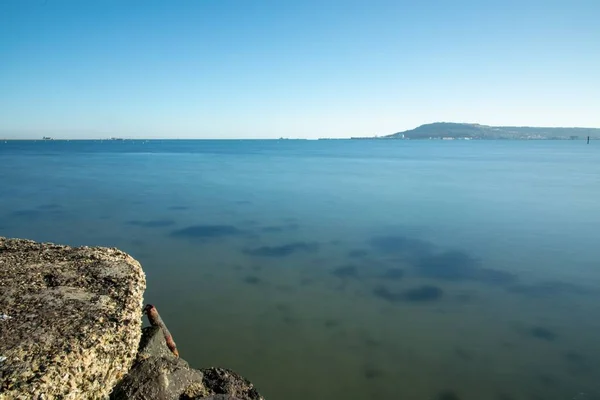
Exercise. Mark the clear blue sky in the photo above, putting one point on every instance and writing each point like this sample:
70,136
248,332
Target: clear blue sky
266,68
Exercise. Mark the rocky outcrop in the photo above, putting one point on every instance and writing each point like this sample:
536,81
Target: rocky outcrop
70,328
158,374
70,319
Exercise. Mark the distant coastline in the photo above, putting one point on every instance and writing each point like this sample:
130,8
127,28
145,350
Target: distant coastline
433,131
466,131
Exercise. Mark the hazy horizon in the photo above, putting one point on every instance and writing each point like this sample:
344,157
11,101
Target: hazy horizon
236,69
60,135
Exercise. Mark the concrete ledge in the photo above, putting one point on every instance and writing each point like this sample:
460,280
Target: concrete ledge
70,319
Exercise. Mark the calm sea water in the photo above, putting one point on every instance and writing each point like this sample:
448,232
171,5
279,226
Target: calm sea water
345,269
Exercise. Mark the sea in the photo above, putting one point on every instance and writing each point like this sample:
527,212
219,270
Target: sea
344,269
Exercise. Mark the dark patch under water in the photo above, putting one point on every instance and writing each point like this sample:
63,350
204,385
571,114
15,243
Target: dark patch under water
465,297
463,354
272,229
398,244
393,274
252,280
331,323
452,265
425,293
384,293
288,227
372,372
346,271
548,380
578,364
307,281
155,223
207,231
283,307
456,265
287,313
574,357
369,341
27,214
358,253
542,333
283,250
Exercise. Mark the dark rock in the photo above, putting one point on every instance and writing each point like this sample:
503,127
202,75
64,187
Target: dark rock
157,378
225,381
158,374
153,344
70,328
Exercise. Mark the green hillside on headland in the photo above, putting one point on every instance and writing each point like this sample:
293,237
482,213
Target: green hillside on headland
450,130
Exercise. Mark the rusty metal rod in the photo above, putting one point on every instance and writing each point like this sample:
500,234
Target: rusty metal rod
156,320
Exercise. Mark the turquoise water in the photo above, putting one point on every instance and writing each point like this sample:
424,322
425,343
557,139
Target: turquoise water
345,269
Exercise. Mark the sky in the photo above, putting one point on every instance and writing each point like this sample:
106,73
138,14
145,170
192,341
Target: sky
307,69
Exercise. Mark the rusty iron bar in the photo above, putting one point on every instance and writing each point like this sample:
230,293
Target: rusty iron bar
156,320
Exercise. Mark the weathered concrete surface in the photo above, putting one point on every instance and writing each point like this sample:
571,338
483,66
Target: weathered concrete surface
72,319
158,374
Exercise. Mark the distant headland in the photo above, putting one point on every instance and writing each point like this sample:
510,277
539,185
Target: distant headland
466,131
